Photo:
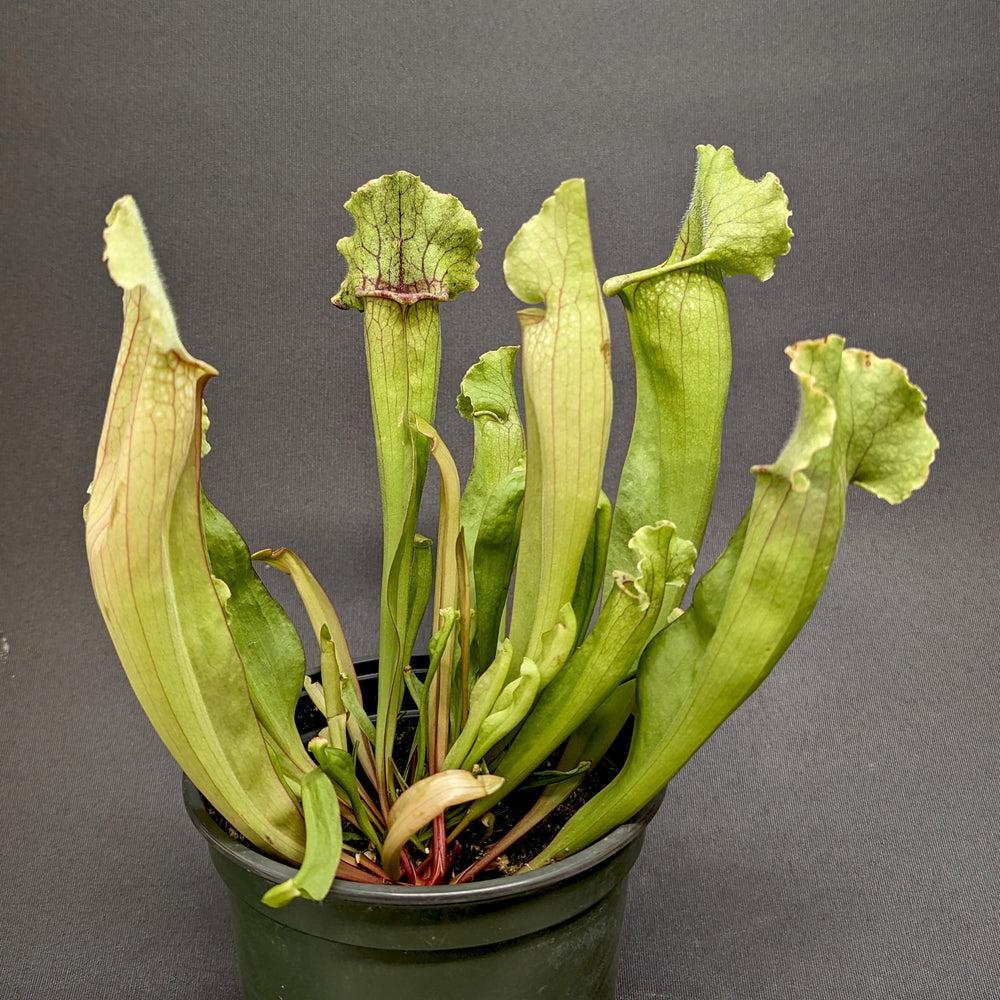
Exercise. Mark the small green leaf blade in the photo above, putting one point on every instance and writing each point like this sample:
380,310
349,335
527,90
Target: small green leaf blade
512,705
446,592
590,578
317,604
339,766
493,563
421,586
265,637
324,840
482,698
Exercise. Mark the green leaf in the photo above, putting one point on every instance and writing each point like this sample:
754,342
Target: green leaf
491,501
314,689
324,839
557,645
337,664
318,606
356,711
512,705
493,563
860,421
510,702
412,248
149,564
679,325
591,574
482,698
891,448
265,637
421,588
449,523
622,629
446,586
586,746
739,224
489,401
339,767
441,642
414,685
565,364
569,779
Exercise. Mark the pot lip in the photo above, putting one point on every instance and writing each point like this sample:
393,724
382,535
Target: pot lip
510,886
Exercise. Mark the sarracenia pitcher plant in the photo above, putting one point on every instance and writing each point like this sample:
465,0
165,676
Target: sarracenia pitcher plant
556,615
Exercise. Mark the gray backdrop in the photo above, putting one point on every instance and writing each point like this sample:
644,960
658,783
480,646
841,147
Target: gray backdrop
839,836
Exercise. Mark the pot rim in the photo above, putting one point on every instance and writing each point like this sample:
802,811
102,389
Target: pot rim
507,887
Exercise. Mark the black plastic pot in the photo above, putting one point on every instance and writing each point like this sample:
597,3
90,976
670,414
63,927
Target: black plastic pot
552,933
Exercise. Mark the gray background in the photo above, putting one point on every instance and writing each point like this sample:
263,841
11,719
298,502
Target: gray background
839,837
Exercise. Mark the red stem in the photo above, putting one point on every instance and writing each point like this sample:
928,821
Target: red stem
409,870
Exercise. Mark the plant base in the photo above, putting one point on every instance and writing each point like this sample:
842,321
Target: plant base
553,933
